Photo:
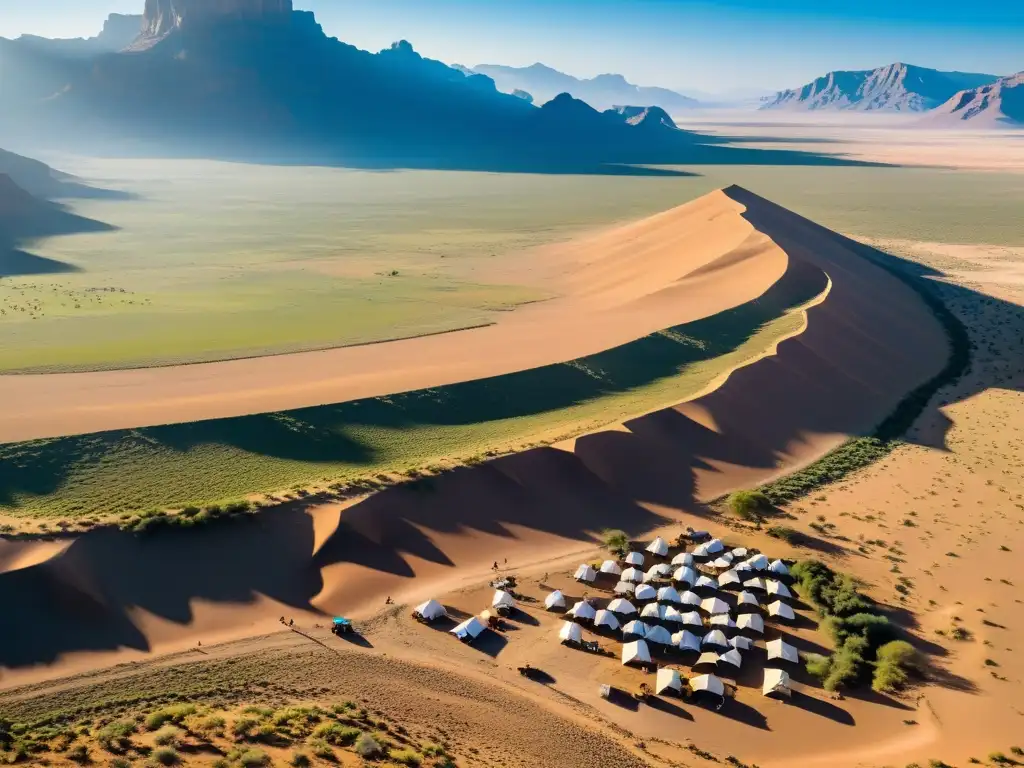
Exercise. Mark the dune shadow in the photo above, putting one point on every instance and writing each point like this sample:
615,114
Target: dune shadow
15,262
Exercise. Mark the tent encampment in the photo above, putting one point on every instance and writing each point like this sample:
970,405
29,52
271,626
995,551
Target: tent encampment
723,561
741,643
658,571
636,652
658,635
430,610
583,611
469,630
653,611
686,641
729,579
668,595
739,552
780,650
621,606
747,600
732,657
685,575
758,562
776,682
585,573
683,558
715,639
723,620
667,680
707,660
707,684
605,618
658,547
778,589
780,610
632,574
502,599
691,619
611,567
714,606
624,588
570,633
645,592
672,614
689,598
706,583
635,559
750,622
636,628
779,568
554,600
755,584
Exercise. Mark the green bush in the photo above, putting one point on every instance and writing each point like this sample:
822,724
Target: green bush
894,663
168,736
845,667
321,749
750,505
79,754
615,541
295,715
337,734
120,762
368,748
176,713
245,728
209,725
817,665
165,756
300,760
406,757
116,735
253,758
786,534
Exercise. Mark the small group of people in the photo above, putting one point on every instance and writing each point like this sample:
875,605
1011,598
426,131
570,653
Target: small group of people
496,567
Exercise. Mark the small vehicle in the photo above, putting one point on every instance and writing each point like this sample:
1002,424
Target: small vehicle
341,626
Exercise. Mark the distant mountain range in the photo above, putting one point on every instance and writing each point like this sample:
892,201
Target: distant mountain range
1000,104
119,31
601,92
893,88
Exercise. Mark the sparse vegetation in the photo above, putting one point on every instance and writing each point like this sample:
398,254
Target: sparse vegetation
615,541
368,748
752,506
165,756
786,534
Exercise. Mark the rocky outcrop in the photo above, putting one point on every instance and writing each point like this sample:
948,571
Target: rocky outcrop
1000,104
164,16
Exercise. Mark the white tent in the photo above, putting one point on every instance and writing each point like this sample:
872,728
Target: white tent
632,574
691,619
689,598
635,559
431,610
635,627
739,552
776,681
732,657
668,595
624,588
728,579
743,568
715,637
780,610
658,547
779,568
583,610
653,611
708,659
755,583
751,622
620,605
707,684
659,635
469,630
610,566
604,618
781,650
685,575
667,680
741,643
637,652
778,589
686,641
747,598
715,546
700,552
683,558
659,571
758,562
502,599
570,633
645,592
723,620
672,614
714,606
585,573
706,582
554,600
722,561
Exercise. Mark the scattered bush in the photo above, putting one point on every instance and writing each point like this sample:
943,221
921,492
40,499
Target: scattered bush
120,762
817,665
337,734
207,726
406,757
245,728
615,541
321,749
165,756
786,534
116,735
176,713
253,758
368,748
79,754
168,736
753,506
300,760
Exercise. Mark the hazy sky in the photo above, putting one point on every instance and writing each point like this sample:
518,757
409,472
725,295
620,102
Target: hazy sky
707,46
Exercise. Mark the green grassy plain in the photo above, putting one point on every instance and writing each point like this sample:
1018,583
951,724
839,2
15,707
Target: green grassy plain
216,260
168,467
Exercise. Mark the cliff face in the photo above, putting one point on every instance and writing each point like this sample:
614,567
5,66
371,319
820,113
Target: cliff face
164,16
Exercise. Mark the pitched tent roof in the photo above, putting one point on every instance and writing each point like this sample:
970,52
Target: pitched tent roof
570,633
635,627
672,614
634,558
624,588
691,619
554,600
605,618
621,605
431,610
668,595
658,547
470,629
728,579
636,651
747,598
741,643
706,659
778,589
732,657
705,582
723,620
667,680
758,562
781,610
653,611
585,573
686,641
685,574
776,681
610,566
715,637
683,558
645,592
723,561
780,649
502,599
739,552
689,598
659,635
714,606
715,546
779,568
752,622
707,684
583,610
755,583
632,574
743,568
658,571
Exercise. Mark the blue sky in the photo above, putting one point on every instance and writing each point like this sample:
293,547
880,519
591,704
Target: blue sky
705,46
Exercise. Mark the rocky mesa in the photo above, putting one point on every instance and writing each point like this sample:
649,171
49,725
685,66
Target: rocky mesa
161,17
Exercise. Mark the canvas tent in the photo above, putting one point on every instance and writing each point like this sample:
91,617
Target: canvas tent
780,610
570,633
778,589
729,579
706,582
502,600
741,643
622,606
722,561
758,562
636,652
689,598
683,558
686,641
707,660
431,610
554,600
583,611
672,614
645,592
605,618
723,620
751,622
691,619
667,680
707,684
611,567
635,559
624,588
779,568
714,606
653,611
658,635
632,574
739,552
779,650
585,573
685,575
658,547
776,682
747,599
658,571
715,638
469,630
755,583
732,657
635,627
668,595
